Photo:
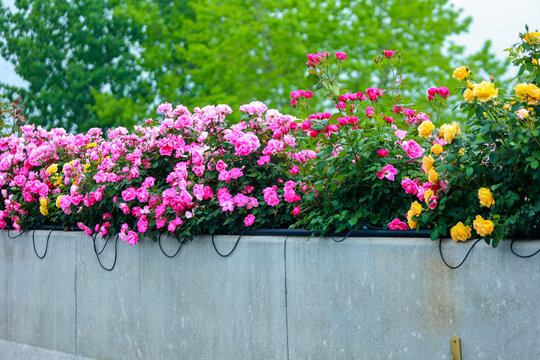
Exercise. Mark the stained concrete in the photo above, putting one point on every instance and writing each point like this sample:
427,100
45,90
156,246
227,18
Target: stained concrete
273,298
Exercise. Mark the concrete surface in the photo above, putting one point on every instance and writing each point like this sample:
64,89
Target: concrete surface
274,298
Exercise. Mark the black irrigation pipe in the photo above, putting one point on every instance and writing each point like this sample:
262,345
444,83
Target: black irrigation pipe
41,257
104,246
16,236
234,247
184,240
99,253
519,255
462,261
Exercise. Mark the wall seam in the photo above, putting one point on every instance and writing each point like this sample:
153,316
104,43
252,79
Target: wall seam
75,294
286,295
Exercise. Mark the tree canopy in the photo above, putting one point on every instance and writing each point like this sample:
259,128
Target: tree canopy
107,63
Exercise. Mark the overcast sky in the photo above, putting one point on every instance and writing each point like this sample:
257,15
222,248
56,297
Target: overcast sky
497,20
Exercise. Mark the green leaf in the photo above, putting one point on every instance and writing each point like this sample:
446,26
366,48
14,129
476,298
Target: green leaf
313,79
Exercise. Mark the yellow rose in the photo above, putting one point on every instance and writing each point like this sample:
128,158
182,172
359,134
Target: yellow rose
58,201
447,132
437,149
428,194
52,169
57,180
456,128
527,91
468,95
486,199
416,208
91,145
43,210
43,201
534,62
412,223
460,232
485,91
532,37
425,129
483,227
427,163
433,176
461,73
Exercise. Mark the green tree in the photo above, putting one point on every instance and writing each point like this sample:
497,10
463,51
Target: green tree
68,52
233,52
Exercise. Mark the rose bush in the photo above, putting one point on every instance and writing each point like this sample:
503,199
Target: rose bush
189,173
491,170
370,161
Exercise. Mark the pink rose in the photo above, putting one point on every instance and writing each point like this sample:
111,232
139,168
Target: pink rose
296,210
397,224
142,194
409,186
388,53
220,165
382,152
400,134
249,220
20,180
369,111
412,149
132,238
294,170
340,55
129,194
388,171
443,91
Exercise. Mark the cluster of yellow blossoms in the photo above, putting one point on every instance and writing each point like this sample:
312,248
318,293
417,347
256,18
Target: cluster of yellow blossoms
532,37
449,131
483,227
415,210
482,92
425,129
461,73
43,202
528,92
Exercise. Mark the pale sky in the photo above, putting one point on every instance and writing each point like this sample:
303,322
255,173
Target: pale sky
498,20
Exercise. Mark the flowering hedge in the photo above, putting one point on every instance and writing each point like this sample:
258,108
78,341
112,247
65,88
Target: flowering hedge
372,161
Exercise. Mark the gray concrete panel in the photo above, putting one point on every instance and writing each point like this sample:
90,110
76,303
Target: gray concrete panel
39,294
195,306
395,299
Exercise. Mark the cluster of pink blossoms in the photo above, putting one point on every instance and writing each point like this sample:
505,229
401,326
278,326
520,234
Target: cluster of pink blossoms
297,94
155,179
443,92
315,59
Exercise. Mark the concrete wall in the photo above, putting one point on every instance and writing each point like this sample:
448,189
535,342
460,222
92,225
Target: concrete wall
274,298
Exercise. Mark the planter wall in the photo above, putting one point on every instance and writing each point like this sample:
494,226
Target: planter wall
273,298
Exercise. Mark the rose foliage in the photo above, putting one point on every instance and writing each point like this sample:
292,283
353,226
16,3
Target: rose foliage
370,161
